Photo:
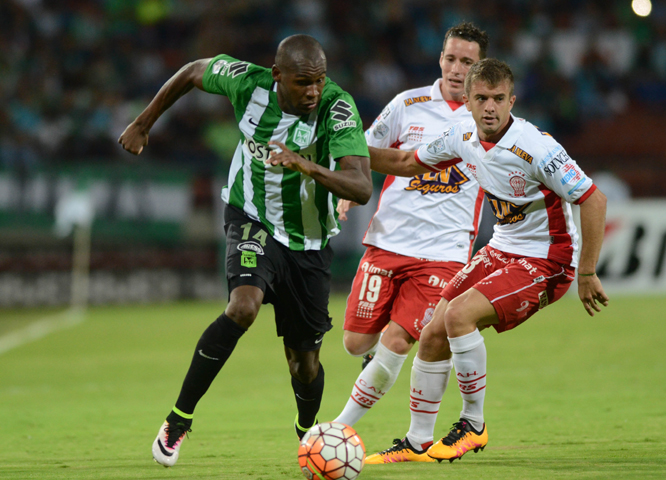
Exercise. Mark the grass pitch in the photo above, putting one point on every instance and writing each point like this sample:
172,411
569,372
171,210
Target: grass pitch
568,397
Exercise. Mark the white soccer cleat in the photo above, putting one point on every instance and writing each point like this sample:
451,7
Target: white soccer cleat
167,444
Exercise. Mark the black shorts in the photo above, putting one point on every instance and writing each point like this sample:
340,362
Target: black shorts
297,283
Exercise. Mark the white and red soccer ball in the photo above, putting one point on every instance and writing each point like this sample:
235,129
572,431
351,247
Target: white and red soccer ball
331,451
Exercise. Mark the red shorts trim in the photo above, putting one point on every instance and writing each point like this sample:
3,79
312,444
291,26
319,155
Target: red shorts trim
392,287
518,287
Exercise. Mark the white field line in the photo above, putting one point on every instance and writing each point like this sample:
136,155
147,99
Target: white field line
41,328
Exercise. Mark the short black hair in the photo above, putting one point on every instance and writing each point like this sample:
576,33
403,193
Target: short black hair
299,48
490,71
471,33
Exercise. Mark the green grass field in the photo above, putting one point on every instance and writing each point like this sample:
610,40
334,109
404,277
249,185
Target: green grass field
568,397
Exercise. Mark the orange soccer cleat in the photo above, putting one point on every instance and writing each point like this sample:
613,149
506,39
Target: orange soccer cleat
401,451
461,439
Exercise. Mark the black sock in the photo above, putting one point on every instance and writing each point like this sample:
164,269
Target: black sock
213,350
308,398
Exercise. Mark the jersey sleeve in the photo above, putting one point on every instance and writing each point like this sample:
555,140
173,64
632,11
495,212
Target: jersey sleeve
386,129
441,153
561,174
345,128
225,75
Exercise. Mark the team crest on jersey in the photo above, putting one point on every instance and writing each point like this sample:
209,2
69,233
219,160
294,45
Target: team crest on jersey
449,180
506,212
419,325
380,131
518,183
302,135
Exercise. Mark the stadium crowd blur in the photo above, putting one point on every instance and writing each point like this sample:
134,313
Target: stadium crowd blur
73,73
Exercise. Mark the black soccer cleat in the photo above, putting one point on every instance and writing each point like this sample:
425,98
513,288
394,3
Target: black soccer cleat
367,358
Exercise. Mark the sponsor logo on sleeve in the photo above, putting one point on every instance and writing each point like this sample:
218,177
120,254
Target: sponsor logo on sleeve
570,174
224,67
219,66
380,131
238,68
342,112
385,113
555,163
437,145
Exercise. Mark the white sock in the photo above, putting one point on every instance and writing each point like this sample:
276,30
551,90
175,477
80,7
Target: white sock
428,384
469,359
374,381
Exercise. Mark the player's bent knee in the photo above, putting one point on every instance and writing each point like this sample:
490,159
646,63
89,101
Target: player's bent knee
305,372
358,344
456,318
243,311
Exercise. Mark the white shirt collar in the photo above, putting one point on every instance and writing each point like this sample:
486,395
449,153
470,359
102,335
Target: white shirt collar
509,138
436,91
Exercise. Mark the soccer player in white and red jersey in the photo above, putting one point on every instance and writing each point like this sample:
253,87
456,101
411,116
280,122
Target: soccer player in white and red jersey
528,264
421,234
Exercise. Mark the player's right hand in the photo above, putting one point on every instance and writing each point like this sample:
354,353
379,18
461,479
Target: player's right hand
134,138
592,294
343,207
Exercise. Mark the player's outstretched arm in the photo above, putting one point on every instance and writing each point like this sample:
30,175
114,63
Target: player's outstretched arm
351,182
392,161
592,225
135,136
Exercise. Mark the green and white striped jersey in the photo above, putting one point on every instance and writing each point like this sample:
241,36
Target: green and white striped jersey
296,210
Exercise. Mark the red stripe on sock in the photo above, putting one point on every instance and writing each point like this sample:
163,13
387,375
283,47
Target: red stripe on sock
365,393
470,381
364,406
469,393
423,411
426,401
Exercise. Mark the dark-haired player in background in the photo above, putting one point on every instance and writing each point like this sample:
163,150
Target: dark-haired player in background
420,236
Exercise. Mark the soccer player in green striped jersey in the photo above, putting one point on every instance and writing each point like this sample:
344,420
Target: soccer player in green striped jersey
301,147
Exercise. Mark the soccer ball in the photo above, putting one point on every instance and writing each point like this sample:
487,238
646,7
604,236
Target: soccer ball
331,451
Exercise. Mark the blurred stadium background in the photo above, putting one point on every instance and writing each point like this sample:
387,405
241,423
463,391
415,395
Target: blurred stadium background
74,73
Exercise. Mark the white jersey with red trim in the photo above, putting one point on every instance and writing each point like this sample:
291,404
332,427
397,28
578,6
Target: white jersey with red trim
529,181
433,216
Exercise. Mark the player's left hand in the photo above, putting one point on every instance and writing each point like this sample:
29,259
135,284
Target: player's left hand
288,159
592,294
